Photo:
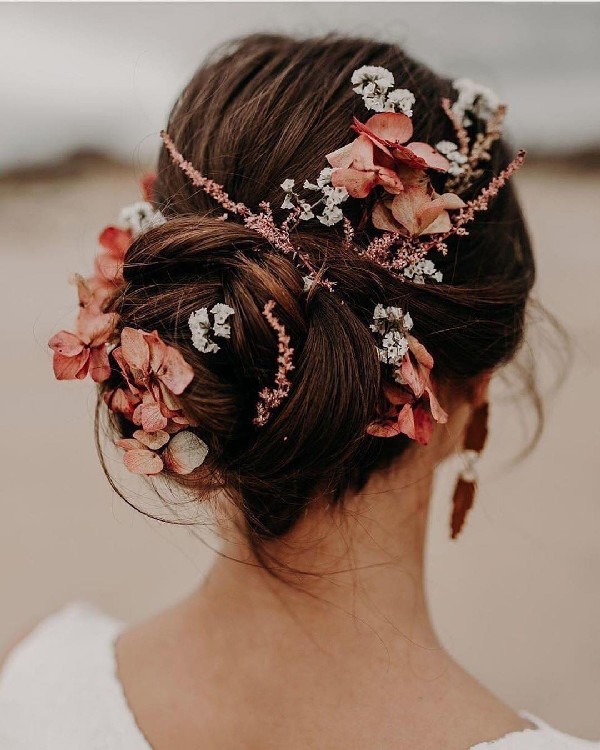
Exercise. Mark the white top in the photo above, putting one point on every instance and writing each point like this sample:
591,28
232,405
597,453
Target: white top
59,690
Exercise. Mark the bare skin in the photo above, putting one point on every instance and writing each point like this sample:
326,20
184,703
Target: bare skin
345,659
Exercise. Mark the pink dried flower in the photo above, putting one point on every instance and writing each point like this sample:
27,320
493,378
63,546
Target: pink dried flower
156,373
378,156
417,210
271,398
412,405
85,351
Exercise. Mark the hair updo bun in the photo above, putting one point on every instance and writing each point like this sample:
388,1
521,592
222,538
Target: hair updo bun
266,108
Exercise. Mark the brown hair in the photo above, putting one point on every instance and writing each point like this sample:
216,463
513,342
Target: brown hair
264,109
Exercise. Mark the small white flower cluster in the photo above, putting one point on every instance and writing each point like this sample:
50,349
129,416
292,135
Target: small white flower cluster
200,326
331,198
475,99
373,84
391,323
456,159
418,271
140,217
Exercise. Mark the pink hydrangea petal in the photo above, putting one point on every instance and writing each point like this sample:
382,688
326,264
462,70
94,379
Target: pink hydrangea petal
390,127
143,461
70,368
157,349
430,156
121,401
450,201
407,205
96,329
99,365
185,452
406,421
129,444
383,219
396,394
358,184
342,158
135,353
109,268
423,425
363,154
152,418
436,410
67,344
412,376
174,371
116,241
147,185
422,356
439,225
383,428
152,440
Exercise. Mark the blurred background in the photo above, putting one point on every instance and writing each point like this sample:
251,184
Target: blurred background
84,90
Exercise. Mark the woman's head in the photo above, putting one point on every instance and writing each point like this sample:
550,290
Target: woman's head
265,109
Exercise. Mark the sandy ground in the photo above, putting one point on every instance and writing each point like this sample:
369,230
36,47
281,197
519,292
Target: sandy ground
516,599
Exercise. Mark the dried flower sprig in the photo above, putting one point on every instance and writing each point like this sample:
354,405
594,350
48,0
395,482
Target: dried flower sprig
271,398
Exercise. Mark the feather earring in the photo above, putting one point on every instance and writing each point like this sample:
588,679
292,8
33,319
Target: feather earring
466,484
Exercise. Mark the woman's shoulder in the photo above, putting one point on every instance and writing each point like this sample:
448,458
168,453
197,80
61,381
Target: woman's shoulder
59,687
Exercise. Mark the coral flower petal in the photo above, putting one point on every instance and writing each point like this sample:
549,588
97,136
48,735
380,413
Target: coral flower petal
99,365
174,371
423,425
152,418
406,421
71,368
430,156
116,241
185,452
152,440
384,429
148,184
390,127
143,461
358,184
342,158
422,356
66,343
135,353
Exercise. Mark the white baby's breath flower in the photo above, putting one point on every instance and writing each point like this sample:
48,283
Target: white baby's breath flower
221,313
324,177
382,79
446,147
423,268
331,215
475,98
200,326
287,185
375,103
334,195
395,345
308,282
307,212
287,203
400,100
455,169
141,216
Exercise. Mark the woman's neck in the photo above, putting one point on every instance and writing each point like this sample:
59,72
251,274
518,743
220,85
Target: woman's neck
362,579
